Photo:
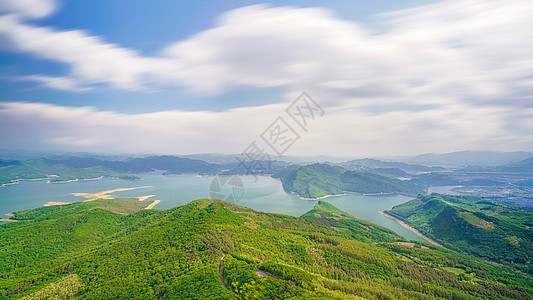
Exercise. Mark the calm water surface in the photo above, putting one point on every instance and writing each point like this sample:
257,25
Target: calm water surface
265,194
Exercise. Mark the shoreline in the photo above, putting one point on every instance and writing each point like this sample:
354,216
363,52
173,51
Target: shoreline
77,179
52,203
25,179
323,197
357,193
151,205
8,220
404,225
383,194
17,181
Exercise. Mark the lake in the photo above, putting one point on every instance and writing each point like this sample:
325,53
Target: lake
264,194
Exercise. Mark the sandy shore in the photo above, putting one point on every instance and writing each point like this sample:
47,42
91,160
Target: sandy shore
323,197
412,229
8,220
106,194
152,204
50,203
314,199
142,198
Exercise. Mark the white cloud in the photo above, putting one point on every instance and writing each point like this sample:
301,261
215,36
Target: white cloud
59,83
29,8
448,76
342,132
91,59
472,49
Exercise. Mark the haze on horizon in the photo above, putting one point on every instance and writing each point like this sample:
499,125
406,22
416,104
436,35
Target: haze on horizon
179,77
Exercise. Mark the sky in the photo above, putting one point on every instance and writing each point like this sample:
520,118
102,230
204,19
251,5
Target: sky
381,78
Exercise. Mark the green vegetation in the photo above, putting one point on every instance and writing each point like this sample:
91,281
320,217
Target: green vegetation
314,181
367,164
367,182
471,225
326,214
319,180
43,168
176,254
64,288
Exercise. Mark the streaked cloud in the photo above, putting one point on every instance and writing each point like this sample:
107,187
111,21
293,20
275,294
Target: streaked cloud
448,76
475,49
29,8
54,82
343,132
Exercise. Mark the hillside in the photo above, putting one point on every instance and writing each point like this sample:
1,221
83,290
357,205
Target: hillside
313,181
371,164
319,180
373,183
475,226
209,249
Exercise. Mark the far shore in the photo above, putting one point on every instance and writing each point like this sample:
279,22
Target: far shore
404,225
77,179
62,181
18,180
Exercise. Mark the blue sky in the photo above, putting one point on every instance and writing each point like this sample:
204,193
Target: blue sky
394,77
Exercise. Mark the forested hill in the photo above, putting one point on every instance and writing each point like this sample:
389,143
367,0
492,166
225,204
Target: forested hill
210,249
319,180
475,226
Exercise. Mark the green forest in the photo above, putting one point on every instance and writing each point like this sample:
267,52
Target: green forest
319,180
496,232
210,249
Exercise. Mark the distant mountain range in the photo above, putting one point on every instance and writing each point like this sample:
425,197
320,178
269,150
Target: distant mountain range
73,168
469,158
368,176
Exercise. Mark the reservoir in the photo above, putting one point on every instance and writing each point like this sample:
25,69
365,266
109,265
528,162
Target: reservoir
260,193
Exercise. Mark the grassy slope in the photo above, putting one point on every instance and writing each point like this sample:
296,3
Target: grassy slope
471,225
175,254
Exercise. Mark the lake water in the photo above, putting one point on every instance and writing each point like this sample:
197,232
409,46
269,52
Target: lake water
266,194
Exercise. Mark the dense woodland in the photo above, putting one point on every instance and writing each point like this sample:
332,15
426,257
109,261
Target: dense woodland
112,249
471,225
318,180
